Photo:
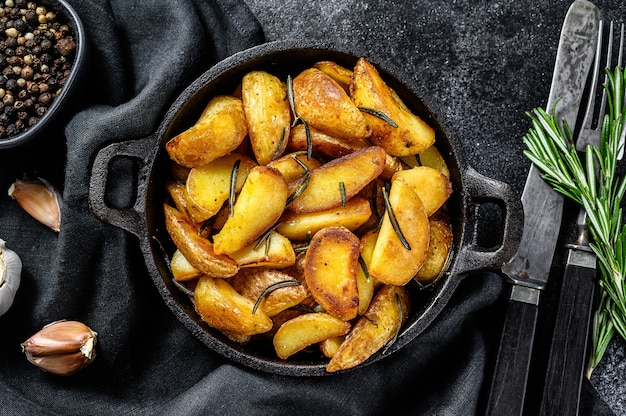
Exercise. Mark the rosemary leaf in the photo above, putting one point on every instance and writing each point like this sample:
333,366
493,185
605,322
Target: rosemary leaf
377,113
342,192
394,221
233,186
271,288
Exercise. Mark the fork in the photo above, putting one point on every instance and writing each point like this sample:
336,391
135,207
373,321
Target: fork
568,352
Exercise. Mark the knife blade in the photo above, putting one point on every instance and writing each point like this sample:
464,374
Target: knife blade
529,268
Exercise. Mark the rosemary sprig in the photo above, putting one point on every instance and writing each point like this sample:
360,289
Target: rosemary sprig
594,184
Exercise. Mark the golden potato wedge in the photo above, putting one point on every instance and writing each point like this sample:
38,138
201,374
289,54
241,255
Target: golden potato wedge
354,171
438,249
252,283
176,192
290,168
323,144
267,113
299,227
391,261
221,307
410,136
222,130
331,267
324,105
181,269
208,186
337,72
386,314
330,346
197,249
260,204
430,157
432,186
308,329
275,251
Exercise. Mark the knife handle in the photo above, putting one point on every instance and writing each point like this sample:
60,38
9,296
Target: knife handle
568,351
508,388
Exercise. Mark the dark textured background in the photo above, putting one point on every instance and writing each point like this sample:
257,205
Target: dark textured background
483,62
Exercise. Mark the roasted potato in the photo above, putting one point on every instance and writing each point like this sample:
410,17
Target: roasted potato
430,157
221,131
392,262
384,318
291,169
267,113
302,226
331,267
438,249
208,186
275,251
410,135
330,346
432,186
263,197
354,171
308,329
252,283
181,269
220,306
197,249
337,72
325,106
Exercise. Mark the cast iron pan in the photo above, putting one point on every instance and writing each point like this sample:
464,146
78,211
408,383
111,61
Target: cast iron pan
145,218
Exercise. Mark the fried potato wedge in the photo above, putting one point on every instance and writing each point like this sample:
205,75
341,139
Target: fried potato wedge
299,227
438,249
391,261
432,186
196,249
221,131
330,346
340,74
385,316
354,171
291,169
257,282
275,251
331,267
178,195
260,204
221,307
432,158
208,186
267,113
305,330
368,90
181,269
323,144
324,105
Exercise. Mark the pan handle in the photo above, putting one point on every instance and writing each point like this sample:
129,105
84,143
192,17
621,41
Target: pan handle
472,257
132,219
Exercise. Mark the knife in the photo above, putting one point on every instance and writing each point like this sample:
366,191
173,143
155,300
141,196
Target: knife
570,340
529,268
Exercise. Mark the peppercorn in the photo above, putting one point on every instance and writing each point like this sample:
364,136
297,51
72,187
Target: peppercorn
37,49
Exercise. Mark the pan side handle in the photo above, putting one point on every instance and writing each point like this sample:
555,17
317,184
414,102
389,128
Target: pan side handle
480,189
131,219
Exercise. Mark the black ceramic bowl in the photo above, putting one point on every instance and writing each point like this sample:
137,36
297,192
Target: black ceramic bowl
145,218
62,103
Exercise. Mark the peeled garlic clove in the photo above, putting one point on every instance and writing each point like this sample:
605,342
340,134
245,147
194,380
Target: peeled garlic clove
62,347
10,276
40,199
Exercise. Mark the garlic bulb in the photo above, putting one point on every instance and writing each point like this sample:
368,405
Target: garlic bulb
40,199
62,347
10,275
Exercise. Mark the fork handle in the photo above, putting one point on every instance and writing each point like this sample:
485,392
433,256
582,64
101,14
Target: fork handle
508,388
570,340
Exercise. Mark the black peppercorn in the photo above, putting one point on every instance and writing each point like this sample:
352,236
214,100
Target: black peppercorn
45,98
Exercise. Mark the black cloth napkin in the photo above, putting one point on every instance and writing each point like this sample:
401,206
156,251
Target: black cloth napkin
142,55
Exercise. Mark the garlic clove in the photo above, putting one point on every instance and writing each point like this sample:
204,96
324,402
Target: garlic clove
62,347
10,276
40,199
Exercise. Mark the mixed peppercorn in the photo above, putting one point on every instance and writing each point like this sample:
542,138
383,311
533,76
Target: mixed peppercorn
37,49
